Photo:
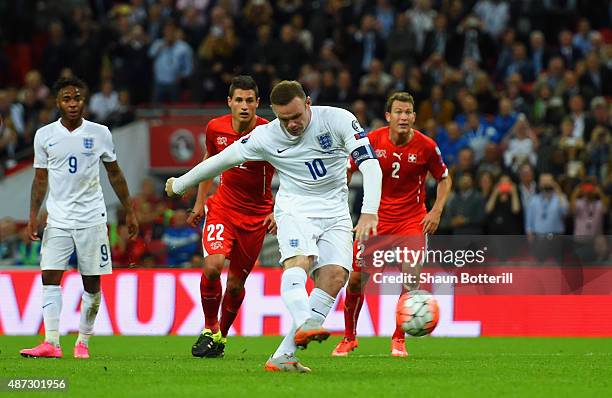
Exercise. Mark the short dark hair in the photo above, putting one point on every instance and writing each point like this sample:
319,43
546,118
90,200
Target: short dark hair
285,91
400,96
243,82
64,82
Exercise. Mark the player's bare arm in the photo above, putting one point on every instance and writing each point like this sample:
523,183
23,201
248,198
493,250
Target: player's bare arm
117,181
207,169
39,190
432,219
270,223
198,212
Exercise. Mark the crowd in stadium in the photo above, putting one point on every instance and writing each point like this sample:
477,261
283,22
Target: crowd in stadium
515,93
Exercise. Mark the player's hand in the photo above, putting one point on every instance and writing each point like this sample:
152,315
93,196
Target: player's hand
270,222
366,226
196,215
33,229
132,223
169,190
431,221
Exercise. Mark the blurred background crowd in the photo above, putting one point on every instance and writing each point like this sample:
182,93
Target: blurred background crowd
517,94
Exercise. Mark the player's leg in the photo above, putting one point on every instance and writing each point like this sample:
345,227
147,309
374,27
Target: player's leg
298,251
330,274
414,240
247,246
90,304
94,259
57,246
218,239
353,301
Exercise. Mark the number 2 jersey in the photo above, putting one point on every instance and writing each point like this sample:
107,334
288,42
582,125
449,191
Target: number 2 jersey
244,188
72,159
404,170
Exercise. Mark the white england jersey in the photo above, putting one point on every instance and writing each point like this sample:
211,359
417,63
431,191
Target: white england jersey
73,161
312,167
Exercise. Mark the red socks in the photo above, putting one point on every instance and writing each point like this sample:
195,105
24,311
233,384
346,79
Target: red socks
210,293
352,307
229,310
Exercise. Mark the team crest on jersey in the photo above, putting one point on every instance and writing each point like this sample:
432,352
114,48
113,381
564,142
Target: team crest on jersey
325,140
294,242
381,153
221,140
88,142
412,157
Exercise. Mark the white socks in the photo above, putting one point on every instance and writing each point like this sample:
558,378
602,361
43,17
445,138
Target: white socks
320,304
51,309
89,309
294,295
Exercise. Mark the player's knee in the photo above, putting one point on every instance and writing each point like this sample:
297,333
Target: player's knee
354,284
235,285
213,265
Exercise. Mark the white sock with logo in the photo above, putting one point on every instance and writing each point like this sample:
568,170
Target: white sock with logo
89,310
320,305
51,309
294,294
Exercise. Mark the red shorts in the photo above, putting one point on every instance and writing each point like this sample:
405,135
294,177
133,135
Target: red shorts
237,236
390,235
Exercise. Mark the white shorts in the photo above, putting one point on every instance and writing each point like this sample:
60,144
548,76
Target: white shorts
91,245
329,240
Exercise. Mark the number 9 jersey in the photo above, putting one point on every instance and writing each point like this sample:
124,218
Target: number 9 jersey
72,158
311,167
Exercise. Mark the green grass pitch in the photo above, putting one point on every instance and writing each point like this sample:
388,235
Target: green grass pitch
163,366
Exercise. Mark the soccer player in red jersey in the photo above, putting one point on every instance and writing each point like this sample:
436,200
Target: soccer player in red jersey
237,218
405,156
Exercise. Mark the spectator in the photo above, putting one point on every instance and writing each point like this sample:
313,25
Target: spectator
597,80
172,62
520,63
449,141
466,208
346,90
547,209
588,205
436,107
373,86
583,123
522,145
538,55
598,152
495,15
401,45
486,181
502,209
289,54
437,39
477,134
56,53
182,241
366,44
527,185
259,57
465,164
567,51
492,161
582,37
601,114
506,117
421,17
104,102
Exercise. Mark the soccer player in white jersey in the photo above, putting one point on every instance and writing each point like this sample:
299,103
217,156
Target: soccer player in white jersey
67,155
309,147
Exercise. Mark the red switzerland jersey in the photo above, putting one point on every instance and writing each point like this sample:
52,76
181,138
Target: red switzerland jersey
404,169
246,187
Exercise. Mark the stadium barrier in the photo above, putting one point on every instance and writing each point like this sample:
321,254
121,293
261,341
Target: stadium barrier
167,301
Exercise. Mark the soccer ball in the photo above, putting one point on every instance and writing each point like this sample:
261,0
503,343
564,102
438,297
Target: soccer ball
417,312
